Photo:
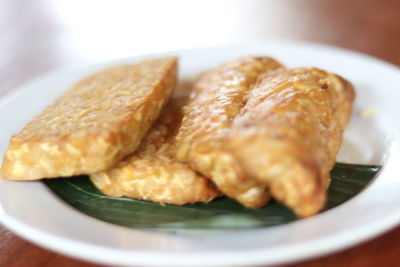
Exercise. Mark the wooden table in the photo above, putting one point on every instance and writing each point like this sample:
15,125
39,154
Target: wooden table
37,36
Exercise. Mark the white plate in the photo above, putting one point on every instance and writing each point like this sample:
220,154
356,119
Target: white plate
32,211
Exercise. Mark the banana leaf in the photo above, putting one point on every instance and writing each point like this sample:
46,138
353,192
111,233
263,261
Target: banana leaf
347,180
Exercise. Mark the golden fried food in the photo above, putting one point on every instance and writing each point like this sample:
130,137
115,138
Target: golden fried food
94,124
152,172
289,132
218,97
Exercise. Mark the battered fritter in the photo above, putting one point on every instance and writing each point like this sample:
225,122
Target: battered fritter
287,135
152,172
218,97
95,124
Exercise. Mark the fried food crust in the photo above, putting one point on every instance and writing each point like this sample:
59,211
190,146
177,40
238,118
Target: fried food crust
217,98
289,132
94,124
152,173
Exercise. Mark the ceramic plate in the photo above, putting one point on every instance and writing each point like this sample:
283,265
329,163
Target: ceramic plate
373,137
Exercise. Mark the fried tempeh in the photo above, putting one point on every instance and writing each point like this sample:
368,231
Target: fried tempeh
217,98
289,132
94,124
152,172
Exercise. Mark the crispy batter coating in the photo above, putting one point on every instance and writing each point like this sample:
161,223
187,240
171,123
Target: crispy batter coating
218,97
289,132
152,172
94,124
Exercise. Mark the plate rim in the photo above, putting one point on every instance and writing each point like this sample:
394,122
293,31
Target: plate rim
101,255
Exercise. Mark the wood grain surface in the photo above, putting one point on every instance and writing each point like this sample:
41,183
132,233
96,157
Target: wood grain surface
38,36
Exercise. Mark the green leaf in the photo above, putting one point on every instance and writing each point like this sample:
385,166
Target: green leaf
222,213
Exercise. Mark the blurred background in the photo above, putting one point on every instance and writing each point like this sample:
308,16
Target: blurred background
37,36
41,35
